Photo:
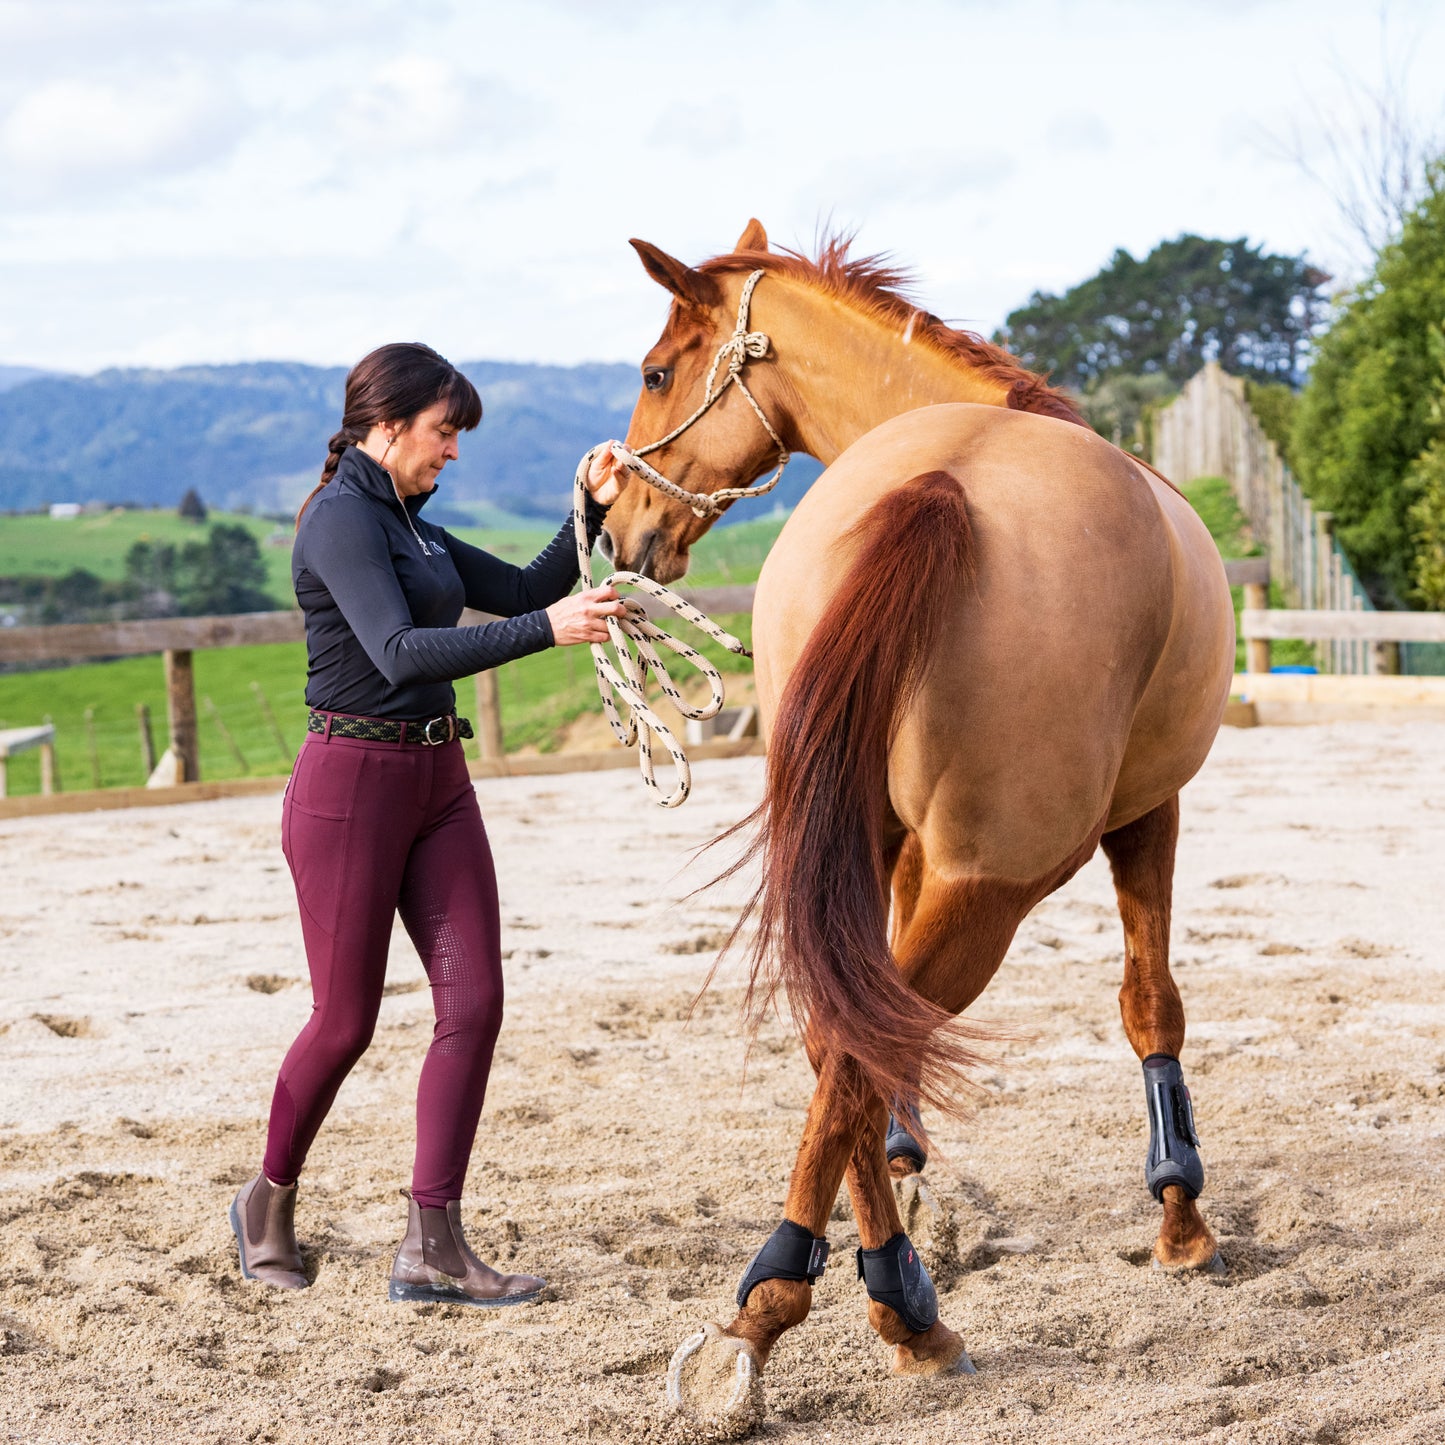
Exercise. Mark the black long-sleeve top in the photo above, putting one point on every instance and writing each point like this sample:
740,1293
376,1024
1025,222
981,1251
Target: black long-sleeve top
381,591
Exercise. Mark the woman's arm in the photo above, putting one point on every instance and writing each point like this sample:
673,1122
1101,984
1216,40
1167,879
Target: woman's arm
493,585
351,557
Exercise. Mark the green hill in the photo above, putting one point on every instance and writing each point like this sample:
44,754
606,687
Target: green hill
540,694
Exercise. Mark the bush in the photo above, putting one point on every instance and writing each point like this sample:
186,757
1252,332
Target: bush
1371,406
1274,406
1426,479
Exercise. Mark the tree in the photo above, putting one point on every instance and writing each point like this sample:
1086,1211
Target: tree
1121,406
1189,301
150,571
192,508
222,574
1368,149
1372,409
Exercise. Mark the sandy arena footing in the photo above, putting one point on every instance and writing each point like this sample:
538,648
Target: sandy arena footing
152,977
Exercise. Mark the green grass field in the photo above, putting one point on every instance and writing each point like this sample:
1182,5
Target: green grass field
540,694
42,546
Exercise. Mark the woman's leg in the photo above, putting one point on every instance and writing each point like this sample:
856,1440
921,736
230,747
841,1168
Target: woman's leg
449,905
350,814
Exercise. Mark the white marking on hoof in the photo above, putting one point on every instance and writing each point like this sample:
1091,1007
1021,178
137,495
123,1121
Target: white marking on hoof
1214,1265
680,1356
724,1400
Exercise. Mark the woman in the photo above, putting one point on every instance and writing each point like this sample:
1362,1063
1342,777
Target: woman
380,814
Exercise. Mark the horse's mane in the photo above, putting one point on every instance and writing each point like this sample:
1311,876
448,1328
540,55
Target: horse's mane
874,285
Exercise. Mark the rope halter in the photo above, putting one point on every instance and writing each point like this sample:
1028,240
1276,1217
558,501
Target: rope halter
740,348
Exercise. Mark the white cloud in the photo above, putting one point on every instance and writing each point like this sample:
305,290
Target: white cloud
1079,130
84,132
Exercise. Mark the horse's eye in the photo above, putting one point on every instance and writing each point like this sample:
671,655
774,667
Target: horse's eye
655,378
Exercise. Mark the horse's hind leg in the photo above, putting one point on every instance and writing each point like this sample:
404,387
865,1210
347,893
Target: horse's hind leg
1141,855
905,1154
949,944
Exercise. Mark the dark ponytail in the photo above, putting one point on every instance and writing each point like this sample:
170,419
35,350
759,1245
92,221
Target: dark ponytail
395,383
346,437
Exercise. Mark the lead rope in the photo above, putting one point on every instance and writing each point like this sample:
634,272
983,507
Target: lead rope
635,638
635,630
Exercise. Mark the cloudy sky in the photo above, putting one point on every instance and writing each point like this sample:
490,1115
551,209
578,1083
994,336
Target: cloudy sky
222,180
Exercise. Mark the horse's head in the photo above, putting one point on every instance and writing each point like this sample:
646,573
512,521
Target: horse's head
727,447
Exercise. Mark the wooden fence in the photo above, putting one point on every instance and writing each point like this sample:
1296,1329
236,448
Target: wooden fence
1210,431
176,639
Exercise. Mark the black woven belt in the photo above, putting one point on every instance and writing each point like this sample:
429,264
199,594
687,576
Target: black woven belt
430,732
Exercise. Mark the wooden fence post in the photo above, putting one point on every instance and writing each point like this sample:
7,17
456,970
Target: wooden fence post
489,717
49,772
91,747
181,711
147,742
1256,649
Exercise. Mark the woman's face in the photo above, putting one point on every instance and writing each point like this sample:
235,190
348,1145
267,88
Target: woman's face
422,448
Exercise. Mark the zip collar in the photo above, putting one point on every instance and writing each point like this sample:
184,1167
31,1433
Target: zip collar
368,476
362,473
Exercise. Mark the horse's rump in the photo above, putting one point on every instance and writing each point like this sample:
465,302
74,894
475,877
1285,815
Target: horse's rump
824,823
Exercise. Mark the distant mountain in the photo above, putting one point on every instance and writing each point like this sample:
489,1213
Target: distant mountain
14,375
253,436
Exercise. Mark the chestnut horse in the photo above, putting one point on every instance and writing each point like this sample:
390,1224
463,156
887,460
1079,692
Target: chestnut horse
987,641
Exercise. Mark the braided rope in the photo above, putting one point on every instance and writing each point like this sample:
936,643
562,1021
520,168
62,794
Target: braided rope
628,678
635,630
740,348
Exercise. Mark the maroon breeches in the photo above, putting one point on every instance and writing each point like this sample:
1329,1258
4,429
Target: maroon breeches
370,830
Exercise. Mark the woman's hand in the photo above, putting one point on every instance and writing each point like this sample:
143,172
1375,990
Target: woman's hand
606,476
583,618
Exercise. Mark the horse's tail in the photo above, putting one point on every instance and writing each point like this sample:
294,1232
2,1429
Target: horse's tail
822,905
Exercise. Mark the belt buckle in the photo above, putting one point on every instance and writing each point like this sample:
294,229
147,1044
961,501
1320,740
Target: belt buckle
429,740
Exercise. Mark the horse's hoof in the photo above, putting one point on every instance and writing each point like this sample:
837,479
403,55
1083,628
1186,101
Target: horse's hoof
715,1384
1213,1265
938,1351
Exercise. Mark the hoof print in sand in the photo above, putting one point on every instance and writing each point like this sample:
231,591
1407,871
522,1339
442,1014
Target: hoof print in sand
66,1028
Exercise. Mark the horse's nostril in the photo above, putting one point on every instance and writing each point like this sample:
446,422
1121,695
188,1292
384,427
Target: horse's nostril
605,542
644,562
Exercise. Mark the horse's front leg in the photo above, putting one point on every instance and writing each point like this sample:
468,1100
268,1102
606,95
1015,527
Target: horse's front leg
717,1372
843,1135
1141,855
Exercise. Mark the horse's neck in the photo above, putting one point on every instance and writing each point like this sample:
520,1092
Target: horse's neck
850,372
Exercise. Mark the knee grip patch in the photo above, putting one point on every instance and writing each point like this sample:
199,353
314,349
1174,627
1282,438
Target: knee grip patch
790,1252
1173,1156
894,1276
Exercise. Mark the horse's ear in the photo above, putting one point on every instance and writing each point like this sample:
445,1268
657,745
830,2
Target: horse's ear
690,287
753,238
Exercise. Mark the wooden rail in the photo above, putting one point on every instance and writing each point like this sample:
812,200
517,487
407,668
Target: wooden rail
1384,631
177,638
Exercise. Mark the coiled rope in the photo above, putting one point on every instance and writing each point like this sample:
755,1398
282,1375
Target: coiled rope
635,637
